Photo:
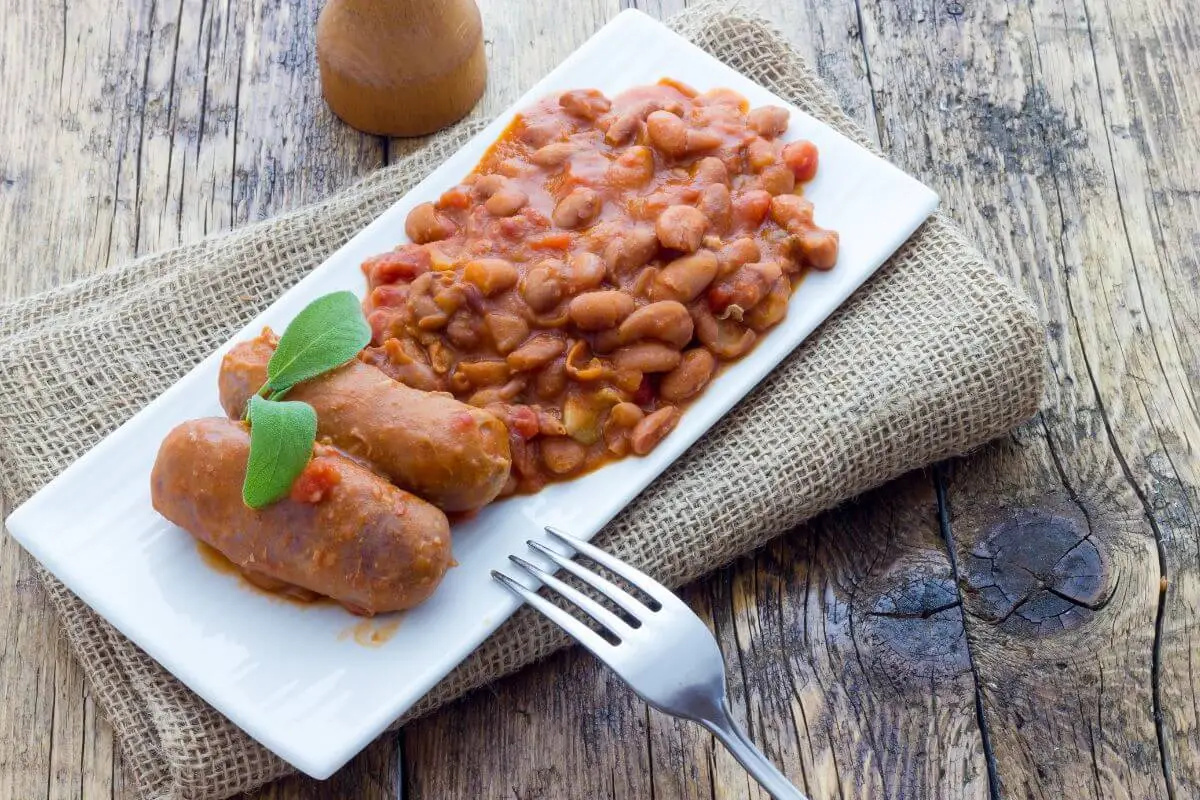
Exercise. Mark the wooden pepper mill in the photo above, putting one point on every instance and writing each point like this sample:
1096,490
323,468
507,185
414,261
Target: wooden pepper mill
401,67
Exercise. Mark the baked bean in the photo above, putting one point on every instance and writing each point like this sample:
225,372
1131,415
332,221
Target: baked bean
596,311
679,86
491,275
726,338
586,104
716,204
768,121
429,317
777,179
735,254
540,134
743,290
647,356
817,247
633,168
711,169
667,132
627,380
506,202
695,370
536,353
650,206
482,373
643,283
750,208
722,96
490,395
404,361
631,250
626,415
622,127
801,159
672,137
487,185
760,154
548,423
557,318
581,416
551,381
458,197
792,212
562,455
585,271
606,341
619,425
516,168
554,154
578,208
542,288
772,309
685,277
448,296
463,331
425,224
507,330
681,228
653,429
667,320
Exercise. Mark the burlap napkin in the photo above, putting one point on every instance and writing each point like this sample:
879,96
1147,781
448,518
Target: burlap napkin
933,357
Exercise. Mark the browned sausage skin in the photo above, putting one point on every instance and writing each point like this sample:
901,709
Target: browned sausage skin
451,454
351,535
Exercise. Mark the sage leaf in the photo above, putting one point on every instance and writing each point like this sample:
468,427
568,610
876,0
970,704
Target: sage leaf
330,331
281,443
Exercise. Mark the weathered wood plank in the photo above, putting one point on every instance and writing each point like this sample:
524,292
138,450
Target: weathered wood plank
128,129
1031,135
847,663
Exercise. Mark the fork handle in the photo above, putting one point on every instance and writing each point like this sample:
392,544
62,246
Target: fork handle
750,757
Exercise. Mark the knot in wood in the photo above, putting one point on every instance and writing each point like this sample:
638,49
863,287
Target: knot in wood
1038,571
915,626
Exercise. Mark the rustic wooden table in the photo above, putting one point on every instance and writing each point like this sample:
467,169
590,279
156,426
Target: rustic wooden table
1020,623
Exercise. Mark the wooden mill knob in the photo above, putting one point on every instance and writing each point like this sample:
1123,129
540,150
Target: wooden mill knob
401,67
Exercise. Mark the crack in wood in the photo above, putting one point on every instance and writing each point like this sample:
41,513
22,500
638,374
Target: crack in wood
943,511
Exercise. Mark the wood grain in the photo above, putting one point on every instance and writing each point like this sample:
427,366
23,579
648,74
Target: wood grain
1062,134
847,664
1043,142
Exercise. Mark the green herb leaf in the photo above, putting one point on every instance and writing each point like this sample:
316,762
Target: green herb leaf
281,444
326,334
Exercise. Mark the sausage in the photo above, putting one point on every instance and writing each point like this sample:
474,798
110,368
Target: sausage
363,542
449,453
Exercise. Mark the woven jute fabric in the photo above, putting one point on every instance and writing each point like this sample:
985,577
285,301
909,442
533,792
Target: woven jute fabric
933,357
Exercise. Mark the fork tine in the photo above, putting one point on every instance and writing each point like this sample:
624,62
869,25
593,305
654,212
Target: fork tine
632,606
586,604
635,576
582,633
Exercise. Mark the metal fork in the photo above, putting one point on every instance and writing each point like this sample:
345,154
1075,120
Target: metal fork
666,655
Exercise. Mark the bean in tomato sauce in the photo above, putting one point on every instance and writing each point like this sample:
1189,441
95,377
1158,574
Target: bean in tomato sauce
587,279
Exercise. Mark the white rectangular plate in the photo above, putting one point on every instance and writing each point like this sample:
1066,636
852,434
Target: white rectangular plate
295,678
